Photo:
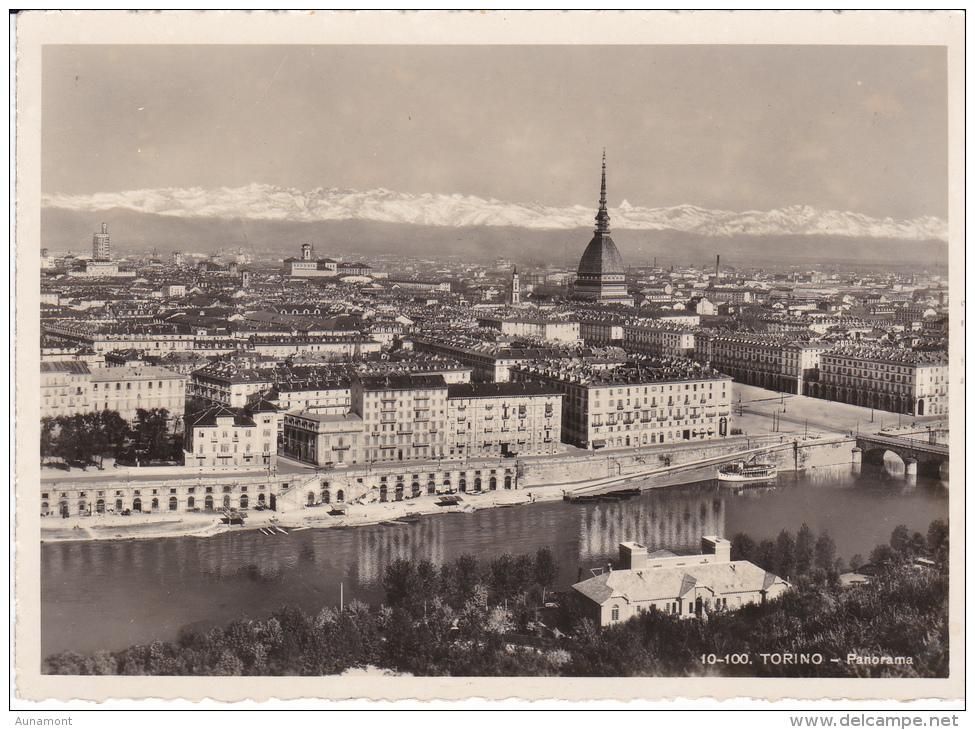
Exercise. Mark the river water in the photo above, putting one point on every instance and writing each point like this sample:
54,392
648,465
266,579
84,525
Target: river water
110,595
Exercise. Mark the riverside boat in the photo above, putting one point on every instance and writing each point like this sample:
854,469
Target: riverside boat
742,472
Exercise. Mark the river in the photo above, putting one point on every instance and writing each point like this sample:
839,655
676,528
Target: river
109,595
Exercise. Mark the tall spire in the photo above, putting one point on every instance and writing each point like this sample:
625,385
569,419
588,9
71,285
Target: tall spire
602,217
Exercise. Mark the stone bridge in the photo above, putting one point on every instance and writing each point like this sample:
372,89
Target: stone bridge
918,456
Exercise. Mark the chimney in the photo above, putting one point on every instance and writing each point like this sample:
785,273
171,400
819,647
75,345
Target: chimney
717,267
633,556
716,546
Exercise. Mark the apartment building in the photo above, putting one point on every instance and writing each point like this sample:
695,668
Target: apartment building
887,378
502,419
658,340
549,330
157,339
404,417
222,436
231,384
777,362
127,389
410,417
64,388
643,402
601,331
323,437
69,388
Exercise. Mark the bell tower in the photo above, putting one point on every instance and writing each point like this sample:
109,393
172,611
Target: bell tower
514,295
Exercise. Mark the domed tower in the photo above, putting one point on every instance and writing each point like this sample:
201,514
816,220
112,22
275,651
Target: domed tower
601,275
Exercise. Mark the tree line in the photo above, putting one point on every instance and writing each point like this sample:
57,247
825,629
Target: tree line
467,618
88,438
803,556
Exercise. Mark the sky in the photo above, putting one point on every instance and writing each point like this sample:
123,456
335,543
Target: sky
852,128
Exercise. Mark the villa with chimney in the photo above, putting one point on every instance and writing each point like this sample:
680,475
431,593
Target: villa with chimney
683,585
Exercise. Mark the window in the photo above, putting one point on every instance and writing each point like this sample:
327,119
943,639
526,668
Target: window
615,614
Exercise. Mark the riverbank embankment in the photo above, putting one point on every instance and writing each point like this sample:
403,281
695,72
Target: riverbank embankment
541,479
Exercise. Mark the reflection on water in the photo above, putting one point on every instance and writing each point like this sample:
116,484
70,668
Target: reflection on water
377,547
670,518
113,594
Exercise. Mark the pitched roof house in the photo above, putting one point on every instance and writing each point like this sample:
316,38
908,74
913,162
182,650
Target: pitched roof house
683,585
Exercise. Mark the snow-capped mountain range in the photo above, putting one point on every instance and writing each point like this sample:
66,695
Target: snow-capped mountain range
270,203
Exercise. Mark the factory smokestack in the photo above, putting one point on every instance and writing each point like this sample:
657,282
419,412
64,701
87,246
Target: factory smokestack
717,267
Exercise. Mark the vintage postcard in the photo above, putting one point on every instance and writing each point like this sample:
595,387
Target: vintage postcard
446,355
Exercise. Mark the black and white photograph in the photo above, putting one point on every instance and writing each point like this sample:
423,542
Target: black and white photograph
460,357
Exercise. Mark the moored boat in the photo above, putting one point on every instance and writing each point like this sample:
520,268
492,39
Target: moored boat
747,472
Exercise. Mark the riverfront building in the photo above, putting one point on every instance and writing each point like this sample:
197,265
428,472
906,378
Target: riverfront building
323,437
503,419
222,436
70,387
396,418
640,403
404,417
681,585
888,378
173,494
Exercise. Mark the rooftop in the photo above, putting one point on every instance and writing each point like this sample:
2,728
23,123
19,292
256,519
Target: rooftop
402,382
738,576
494,390
144,372
646,370
890,354
65,366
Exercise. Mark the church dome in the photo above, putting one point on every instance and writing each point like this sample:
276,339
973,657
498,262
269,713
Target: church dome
601,257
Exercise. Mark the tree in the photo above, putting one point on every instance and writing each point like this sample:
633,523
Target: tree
743,547
765,556
937,536
523,575
855,562
804,549
428,582
49,437
116,431
917,545
502,576
401,583
900,540
883,555
785,548
464,576
825,552
151,433
546,569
